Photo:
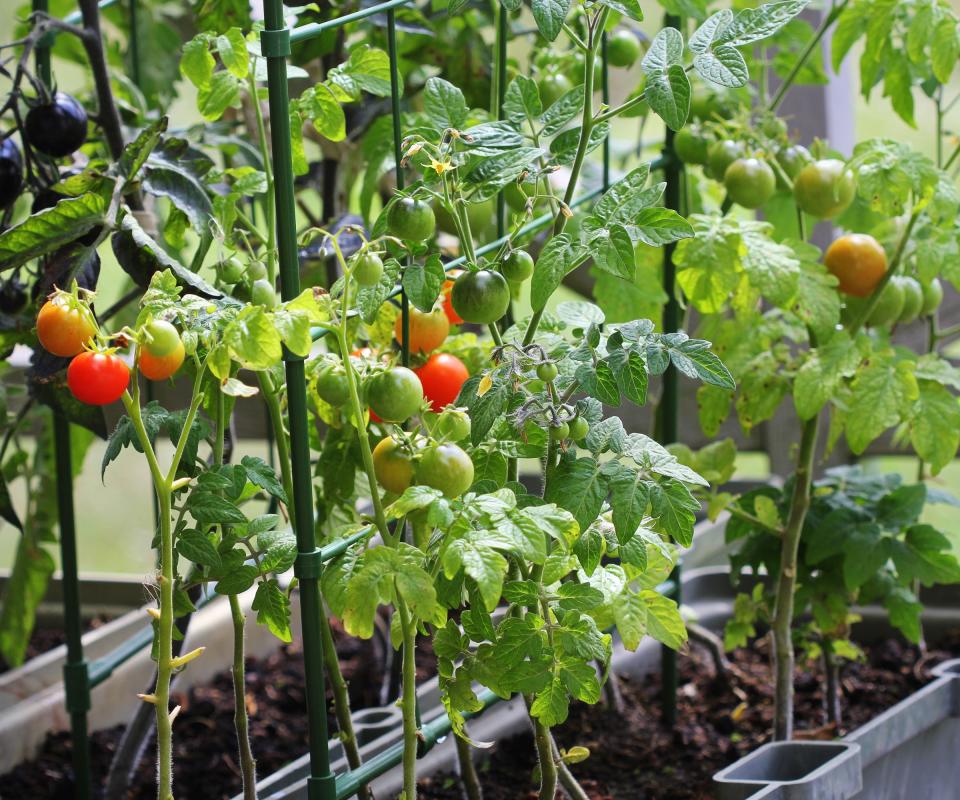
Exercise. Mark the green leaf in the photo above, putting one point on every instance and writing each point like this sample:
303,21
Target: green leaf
550,16
564,147
482,563
629,497
630,616
675,509
882,389
752,24
630,372
492,174
629,8
521,101
184,191
209,508
722,65
278,550
423,283
273,609
223,92
560,256
580,487
566,107
232,49
323,109
196,547
551,704
664,622
613,252
444,105
694,359
370,298
25,589
197,63
709,30
666,50
50,229
238,580
659,226
580,679
589,550
252,339
822,373
597,380
135,153
935,425
261,474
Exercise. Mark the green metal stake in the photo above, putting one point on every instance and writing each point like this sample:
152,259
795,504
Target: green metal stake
135,74
275,47
669,400
605,96
500,73
75,675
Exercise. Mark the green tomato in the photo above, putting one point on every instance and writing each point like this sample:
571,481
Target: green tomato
889,305
446,467
263,294
553,86
932,297
231,270
454,424
332,386
912,298
559,433
825,188
367,269
482,296
256,271
623,48
750,182
691,146
721,155
517,266
411,220
792,159
547,372
579,428
162,338
395,395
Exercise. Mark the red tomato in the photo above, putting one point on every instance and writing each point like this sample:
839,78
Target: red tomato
442,376
98,379
159,368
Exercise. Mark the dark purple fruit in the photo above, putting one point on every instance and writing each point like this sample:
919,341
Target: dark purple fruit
57,128
11,172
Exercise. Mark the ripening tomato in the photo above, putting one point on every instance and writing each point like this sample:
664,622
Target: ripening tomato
393,465
750,182
64,325
579,428
442,377
159,368
453,425
332,385
98,379
721,155
858,261
453,316
427,329
161,338
446,467
824,188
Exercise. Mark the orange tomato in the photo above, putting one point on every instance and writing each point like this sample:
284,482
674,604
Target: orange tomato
453,316
859,263
427,329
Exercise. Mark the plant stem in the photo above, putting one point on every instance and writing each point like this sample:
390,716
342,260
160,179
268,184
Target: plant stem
165,650
248,765
468,770
832,668
787,582
548,766
269,199
341,702
804,56
409,701
108,116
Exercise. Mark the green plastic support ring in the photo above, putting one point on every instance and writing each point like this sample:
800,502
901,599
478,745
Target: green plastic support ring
322,788
289,357
275,44
309,565
76,686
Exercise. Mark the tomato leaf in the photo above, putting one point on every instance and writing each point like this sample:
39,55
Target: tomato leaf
550,16
273,609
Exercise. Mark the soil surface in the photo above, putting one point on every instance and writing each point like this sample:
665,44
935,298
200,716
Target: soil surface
634,757
43,640
205,757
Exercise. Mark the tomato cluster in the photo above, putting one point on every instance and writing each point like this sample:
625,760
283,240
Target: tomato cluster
96,375
444,466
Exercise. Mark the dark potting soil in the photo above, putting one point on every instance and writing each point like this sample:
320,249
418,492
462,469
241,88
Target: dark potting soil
205,755
634,757
43,640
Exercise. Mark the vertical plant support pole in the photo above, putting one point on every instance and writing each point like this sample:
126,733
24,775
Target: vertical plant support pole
135,74
500,76
275,47
75,674
669,401
605,97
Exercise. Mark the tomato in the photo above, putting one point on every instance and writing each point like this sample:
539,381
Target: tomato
912,298
58,127
441,378
553,86
256,271
332,385
159,368
932,296
721,155
750,182
579,428
517,266
453,425
65,325
707,104
427,330
792,159
98,379
11,172
453,316
559,432
825,188
446,467
411,219
393,465
367,269
516,197
691,145
889,305
481,296
623,48
161,337
395,395
858,261
547,372
232,270
263,294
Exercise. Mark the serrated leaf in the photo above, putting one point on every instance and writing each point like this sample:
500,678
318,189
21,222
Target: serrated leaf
560,256
47,230
612,252
273,609
444,104
196,547
580,487
422,283
551,705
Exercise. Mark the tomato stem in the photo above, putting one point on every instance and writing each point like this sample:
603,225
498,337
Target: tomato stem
269,199
409,700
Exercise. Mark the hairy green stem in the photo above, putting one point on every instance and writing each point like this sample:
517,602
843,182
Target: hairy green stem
408,701
248,765
787,581
548,765
468,770
269,199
